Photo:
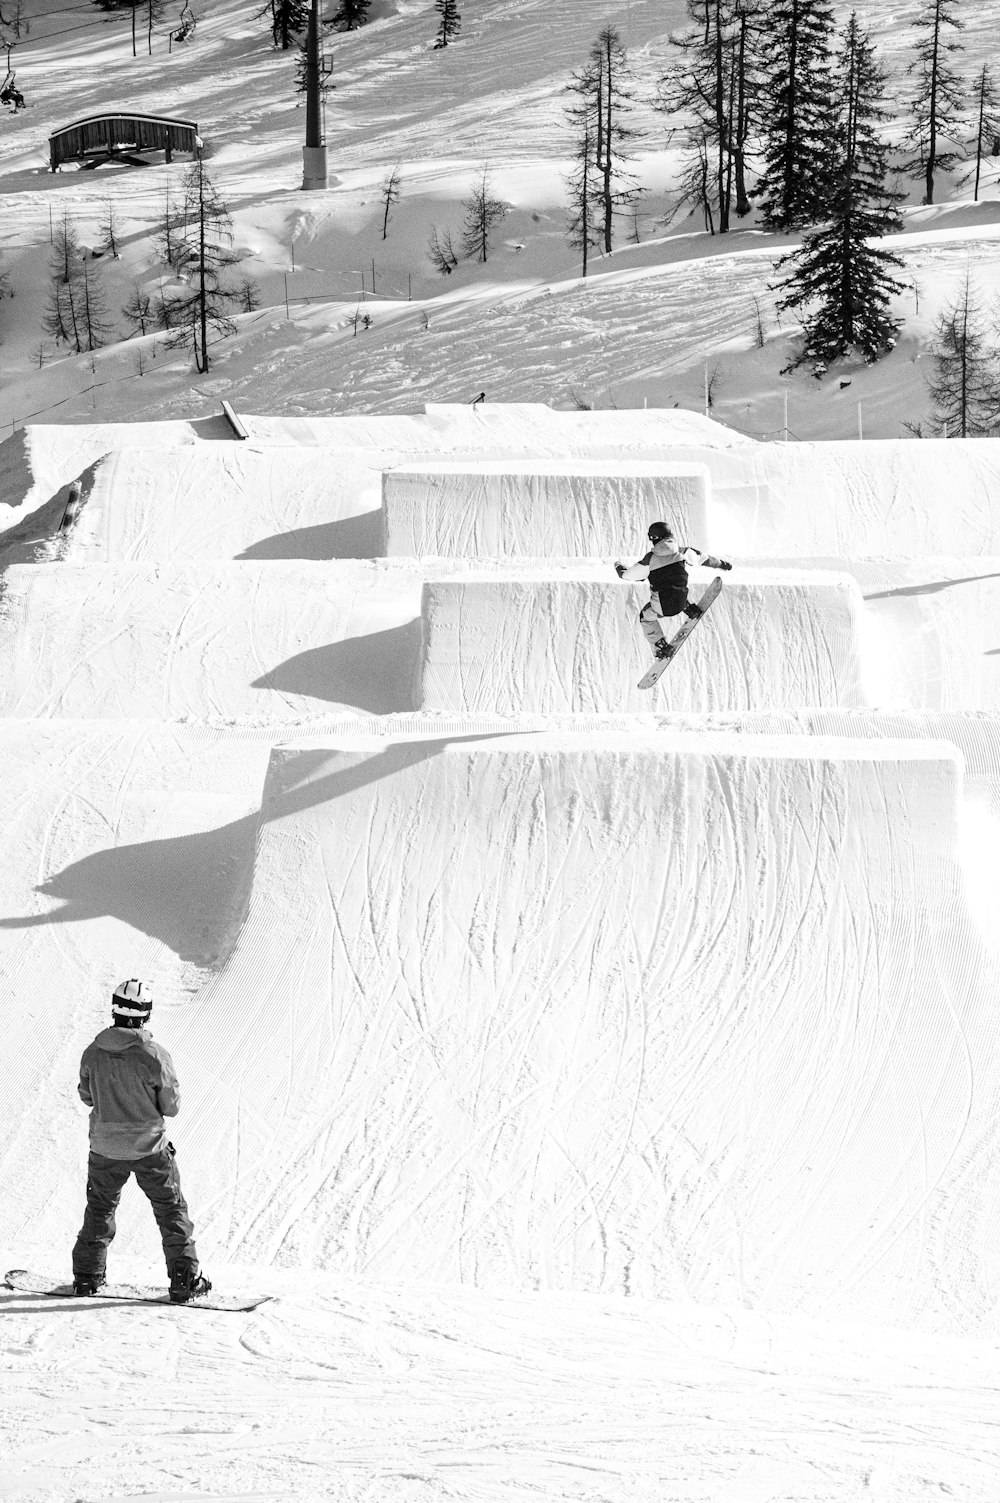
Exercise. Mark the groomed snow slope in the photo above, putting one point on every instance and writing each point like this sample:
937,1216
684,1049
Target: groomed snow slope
688,1015
544,645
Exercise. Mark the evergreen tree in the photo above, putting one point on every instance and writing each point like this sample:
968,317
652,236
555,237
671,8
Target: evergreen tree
206,253
696,184
482,213
61,317
965,386
842,279
796,108
326,82
94,321
167,235
937,101
441,252
351,14
987,106
714,80
605,99
450,22
287,19
580,182
139,310
389,192
108,227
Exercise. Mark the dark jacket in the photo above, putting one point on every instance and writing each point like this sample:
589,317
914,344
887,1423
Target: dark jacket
128,1080
666,567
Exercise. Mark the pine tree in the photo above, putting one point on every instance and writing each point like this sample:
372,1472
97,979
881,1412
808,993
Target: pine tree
987,105
351,14
61,317
440,251
605,97
714,80
965,387
206,253
288,18
95,323
389,192
844,281
937,101
580,182
482,213
108,227
695,185
167,235
139,310
796,108
450,23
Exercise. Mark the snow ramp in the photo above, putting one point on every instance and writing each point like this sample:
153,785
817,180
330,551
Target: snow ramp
885,496
686,1016
41,458
257,643
538,644
500,509
228,501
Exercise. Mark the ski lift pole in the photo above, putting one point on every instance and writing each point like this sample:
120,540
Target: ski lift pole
314,171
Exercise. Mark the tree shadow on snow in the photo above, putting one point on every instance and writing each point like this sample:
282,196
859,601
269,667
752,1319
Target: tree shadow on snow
352,537
191,892
930,587
374,672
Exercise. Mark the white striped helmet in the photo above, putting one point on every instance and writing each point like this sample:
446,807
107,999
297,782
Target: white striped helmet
132,999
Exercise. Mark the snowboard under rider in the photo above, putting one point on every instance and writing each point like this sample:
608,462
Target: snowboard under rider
128,1081
665,566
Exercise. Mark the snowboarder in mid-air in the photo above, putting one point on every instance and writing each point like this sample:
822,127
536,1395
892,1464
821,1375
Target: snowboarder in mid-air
128,1081
665,566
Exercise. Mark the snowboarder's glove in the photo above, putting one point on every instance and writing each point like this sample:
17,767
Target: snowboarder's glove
723,564
619,570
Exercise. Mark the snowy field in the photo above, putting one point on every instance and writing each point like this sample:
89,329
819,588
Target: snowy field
603,1085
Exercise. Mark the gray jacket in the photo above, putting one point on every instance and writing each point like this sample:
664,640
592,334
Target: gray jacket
128,1080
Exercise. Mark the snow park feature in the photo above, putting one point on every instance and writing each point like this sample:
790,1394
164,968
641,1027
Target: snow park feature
494,985
500,510
778,638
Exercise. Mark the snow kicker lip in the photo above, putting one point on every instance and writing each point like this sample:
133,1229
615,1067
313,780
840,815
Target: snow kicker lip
602,1001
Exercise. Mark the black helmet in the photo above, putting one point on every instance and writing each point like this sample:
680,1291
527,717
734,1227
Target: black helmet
658,531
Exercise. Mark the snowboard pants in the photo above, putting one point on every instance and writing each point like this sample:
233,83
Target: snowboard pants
160,1182
666,603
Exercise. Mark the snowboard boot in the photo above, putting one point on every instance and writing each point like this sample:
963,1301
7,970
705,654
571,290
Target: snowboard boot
694,612
87,1286
187,1283
661,648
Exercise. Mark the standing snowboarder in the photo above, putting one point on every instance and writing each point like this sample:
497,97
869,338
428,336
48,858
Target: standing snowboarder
665,566
128,1081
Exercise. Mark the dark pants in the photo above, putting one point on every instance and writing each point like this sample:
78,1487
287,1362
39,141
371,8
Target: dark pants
160,1183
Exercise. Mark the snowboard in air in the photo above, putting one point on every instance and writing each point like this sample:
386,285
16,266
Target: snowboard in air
652,675
139,1294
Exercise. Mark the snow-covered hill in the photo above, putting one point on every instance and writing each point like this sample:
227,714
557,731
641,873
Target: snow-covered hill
653,319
